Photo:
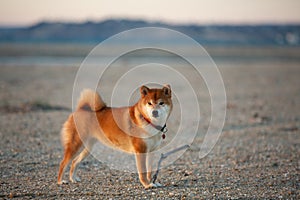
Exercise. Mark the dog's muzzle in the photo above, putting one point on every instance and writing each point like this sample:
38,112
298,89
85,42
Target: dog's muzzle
155,113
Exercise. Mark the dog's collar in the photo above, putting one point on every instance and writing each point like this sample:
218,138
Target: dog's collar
162,129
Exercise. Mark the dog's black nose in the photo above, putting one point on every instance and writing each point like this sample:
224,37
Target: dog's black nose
155,113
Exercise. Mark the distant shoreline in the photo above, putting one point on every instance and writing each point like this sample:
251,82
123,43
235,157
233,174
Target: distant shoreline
95,32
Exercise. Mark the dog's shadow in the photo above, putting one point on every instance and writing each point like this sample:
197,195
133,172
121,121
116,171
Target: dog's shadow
177,184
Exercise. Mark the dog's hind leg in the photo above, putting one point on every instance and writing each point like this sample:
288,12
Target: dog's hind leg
71,142
69,153
84,153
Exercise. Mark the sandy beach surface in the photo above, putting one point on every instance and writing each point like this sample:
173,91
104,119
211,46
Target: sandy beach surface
256,157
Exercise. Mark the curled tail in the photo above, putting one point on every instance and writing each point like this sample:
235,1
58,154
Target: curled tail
90,100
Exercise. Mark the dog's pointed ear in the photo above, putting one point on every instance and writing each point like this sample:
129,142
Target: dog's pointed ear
144,90
167,90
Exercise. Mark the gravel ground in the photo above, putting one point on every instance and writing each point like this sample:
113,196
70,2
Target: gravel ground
256,157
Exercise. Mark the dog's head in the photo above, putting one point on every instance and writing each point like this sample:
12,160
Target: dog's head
156,104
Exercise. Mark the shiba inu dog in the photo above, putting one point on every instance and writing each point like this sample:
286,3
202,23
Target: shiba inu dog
137,129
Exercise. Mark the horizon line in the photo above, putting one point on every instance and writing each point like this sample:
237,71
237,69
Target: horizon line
166,22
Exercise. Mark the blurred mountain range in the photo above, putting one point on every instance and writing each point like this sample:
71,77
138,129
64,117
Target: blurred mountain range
95,32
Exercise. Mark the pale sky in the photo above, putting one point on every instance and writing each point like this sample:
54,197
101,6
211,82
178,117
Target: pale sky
27,12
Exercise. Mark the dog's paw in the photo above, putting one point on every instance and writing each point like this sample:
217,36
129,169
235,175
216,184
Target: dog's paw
75,179
153,185
62,182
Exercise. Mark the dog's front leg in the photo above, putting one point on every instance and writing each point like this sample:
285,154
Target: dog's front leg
142,170
149,166
149,162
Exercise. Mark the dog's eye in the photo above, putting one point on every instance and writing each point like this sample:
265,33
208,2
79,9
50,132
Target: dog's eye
161,103
149,103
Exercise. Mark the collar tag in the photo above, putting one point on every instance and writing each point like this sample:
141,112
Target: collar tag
164,129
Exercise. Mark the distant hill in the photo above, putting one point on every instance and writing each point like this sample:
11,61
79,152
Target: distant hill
94,32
